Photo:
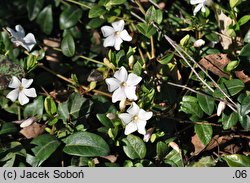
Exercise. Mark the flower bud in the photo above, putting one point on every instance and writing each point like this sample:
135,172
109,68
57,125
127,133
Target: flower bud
122,105
221,107
198,43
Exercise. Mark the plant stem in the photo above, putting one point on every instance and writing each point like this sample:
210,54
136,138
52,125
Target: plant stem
152,47
19,112
92,60
78,3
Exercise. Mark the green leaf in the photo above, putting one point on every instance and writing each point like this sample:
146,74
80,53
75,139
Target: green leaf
146,30
234,3
189,105
34,7
45,20
231,66
245,53
63,111
85,144
167,59
207,161
7,128
230,87
135,148
206,103
95,23
161,149
229,121
247,37
244,20
245,106
237,160
137,68
96,11
245,122
45,146
174,159
204,132
68,46
104,120
69,17
153,15
50,106
34,108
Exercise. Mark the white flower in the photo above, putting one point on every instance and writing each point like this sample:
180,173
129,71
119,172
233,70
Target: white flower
200,6
26,122
123,85
21,90
115,35
19,39
198,43
135,119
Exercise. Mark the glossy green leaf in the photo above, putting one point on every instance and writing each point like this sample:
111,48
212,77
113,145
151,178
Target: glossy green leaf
134,147
45,146
34,7
231,66
244,20
96,11
234,3
189,105
7,128
35,108
167,59
50,106
206,161
206,103
63,111
85,144
245,53
153,15
161,149
68,46
174,159
45,20
230,87
245,122
229,121
204,132
69,17
104,120
146,30
237,160
247,37
245,106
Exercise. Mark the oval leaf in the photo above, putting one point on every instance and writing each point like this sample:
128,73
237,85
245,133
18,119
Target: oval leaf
34,7
135,147
68,46
237,160
204,132
206,103
45,20
85,144
69,17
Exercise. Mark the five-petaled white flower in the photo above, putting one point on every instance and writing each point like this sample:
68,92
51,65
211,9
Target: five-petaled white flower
135,119
200,6
21,90
123,85
115,35
19,39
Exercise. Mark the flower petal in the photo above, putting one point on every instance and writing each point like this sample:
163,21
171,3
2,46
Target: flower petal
143,115
118,25
118,95
31,92
29,41
107,30
130,128
197,8
22,98
133,79
20,30
12,32
196,1
27,122
130,92
125,36
13,95
141,126
112,83
203,9
133,109
121,74
125,117
118,42
14,83
109,41
26,82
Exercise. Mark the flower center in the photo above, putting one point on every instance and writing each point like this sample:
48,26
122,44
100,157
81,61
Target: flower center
123,84
21,88
117,33
135,118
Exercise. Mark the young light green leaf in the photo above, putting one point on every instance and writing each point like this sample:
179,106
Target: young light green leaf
243,20
50,106
85,144
68,46
146,30
234,3
134,147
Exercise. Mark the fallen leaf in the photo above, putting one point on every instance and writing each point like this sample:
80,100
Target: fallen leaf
215,63
33,130
242,76
198,145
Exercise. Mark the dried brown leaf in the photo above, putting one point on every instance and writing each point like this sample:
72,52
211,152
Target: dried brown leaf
33,130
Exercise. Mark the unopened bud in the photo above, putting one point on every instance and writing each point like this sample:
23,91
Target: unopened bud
175,146
131,60
122,105
148,134
198,43
221,107
111,116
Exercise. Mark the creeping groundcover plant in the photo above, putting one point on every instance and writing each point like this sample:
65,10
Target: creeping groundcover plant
126,83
